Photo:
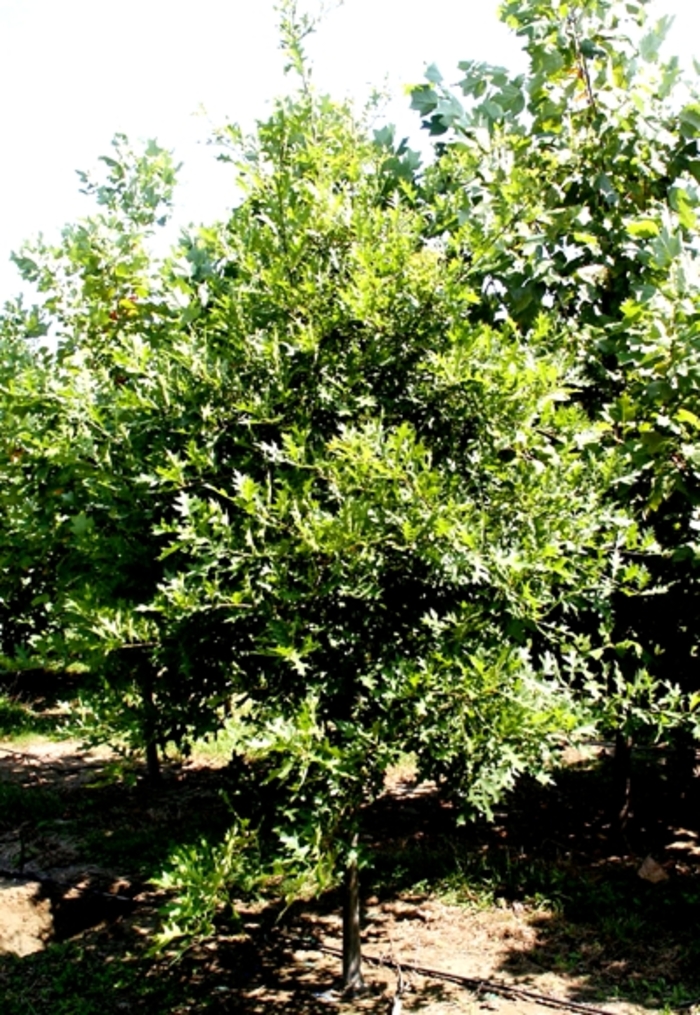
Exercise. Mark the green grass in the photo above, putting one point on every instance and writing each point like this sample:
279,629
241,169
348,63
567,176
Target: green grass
618,902
20,721
72,979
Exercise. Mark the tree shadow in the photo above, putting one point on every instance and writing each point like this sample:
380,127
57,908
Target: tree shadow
107,969
555,860
551,859
90,834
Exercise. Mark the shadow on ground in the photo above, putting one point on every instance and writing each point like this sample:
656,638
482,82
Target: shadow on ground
548,896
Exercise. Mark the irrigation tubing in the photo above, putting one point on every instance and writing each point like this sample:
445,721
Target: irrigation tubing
481,986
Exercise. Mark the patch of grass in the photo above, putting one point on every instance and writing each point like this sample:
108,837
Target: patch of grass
462,875
136,851
13,716
616,901
19,720
588,918
670,997
71,979
216,750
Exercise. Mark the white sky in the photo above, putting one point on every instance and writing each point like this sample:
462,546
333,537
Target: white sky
73,72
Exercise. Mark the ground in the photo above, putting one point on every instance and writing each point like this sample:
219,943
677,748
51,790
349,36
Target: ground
547,899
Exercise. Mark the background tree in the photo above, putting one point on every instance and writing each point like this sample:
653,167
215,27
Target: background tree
85,426
574,187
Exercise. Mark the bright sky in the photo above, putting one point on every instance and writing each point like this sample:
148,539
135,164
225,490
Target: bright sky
73,72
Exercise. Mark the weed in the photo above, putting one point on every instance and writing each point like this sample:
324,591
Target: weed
18,719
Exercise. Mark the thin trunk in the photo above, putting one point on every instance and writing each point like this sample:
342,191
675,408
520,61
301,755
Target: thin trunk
622,779
352,955
152,761
149,729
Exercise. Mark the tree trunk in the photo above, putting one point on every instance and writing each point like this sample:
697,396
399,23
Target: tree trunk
622,779
352,955
152,761
149,728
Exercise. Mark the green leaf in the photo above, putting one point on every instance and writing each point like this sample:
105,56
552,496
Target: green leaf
424,99
686,416
683,205
80,524
689,117
433,74
644,229
604,185
650,44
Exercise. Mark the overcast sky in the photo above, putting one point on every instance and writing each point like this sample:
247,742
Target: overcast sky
73,72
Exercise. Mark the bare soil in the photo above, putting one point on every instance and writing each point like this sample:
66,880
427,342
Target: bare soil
25,918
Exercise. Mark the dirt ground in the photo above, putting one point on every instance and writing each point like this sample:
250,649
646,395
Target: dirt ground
56,886
25,918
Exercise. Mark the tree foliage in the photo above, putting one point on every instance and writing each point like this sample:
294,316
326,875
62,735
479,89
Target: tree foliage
574,187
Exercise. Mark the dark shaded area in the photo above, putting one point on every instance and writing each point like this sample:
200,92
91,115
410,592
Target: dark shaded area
104,812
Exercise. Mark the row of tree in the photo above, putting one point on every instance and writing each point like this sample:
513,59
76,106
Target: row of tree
395,457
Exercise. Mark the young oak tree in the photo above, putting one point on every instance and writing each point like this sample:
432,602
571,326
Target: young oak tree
390,513
299,464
